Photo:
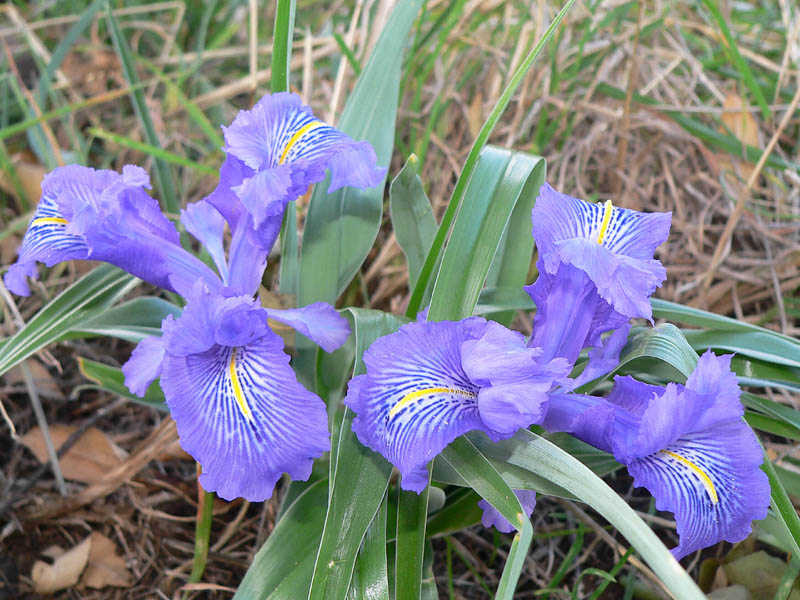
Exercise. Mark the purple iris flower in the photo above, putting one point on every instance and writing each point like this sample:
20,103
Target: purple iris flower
688,445
613,246
274,152
102,215
428,383
492,518
239,408
596,270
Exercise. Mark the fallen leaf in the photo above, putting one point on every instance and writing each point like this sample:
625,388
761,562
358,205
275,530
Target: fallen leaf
44,382
739,121
475,115
92,456
64,572
30,175
105,567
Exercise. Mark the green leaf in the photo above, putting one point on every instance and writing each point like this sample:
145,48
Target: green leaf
499,180
421,289
537,455
371,579
84,300
412,217
359,479
755,344
782,508
513,259
341,227
163,175
476,470
63,48
672,311
111,379
285,555
731,48
661,350
412,510
154,151
282,45
461,510
132,320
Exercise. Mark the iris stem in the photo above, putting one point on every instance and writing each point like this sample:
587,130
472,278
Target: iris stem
202,532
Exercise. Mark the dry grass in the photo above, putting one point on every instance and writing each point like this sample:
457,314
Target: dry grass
596,145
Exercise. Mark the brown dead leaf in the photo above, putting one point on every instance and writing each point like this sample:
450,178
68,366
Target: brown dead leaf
30,175
44,382
475,115
64,572
105,567
92,456
743,125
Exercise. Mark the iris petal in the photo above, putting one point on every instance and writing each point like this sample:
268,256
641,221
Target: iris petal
428,383
492,518
242,414
710,481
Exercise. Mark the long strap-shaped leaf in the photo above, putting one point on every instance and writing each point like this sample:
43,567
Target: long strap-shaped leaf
420,290
284,561
341,227
85,299
359,479
547,460
163,175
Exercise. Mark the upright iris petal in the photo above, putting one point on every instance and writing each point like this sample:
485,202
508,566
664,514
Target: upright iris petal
239,408
104,215
275,151
613,246
686,444
428,383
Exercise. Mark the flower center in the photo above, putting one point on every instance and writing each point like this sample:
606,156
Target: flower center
609,208
412,397
297,136
49,221
237,389
704,479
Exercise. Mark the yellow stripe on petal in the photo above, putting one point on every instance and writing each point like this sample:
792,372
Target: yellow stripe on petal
237,390
412,397
296,138
609,208
704,479
49,221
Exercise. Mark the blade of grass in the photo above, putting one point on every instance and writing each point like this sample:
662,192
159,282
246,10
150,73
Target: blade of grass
418,294
63,47
166,185
156,152
731,48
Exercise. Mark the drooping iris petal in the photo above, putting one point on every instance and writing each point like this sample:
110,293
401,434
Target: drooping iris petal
238,406
425,386
613,246
144,365
492,518
319,322
45,241
281,149
711,481
686,444
104,215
